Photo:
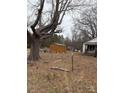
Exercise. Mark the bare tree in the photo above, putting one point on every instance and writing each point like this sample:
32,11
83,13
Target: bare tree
87,24
76,39
42,30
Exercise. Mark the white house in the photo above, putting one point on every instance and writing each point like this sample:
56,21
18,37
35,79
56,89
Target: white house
90,47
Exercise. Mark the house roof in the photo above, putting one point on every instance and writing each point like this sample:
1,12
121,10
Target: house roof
91,42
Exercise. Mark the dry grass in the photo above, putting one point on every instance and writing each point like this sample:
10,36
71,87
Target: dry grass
41,79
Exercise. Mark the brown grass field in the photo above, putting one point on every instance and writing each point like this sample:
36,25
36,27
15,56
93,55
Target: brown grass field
43,79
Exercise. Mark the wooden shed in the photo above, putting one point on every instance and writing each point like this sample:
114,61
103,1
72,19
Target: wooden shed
57,48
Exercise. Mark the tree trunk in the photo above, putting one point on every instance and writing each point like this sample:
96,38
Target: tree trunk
35,48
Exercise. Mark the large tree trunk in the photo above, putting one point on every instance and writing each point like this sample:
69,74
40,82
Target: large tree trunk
35,48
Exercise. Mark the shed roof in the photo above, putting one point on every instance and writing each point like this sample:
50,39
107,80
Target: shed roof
59,44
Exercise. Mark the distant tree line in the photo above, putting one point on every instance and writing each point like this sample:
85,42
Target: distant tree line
47,42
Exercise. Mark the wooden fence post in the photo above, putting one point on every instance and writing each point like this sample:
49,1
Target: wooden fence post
72,62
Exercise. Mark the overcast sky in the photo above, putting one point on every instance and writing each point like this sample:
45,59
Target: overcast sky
67,24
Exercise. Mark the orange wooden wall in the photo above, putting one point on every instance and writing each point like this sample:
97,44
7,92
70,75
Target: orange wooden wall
57,48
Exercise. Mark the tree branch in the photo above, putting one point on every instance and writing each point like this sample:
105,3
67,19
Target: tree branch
54,20
38,16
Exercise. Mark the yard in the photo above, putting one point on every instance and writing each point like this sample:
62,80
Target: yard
43,79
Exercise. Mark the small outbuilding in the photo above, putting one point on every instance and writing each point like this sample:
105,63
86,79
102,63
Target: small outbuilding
57,48
90,47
